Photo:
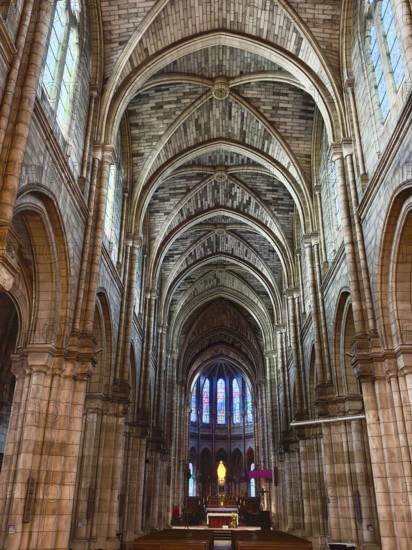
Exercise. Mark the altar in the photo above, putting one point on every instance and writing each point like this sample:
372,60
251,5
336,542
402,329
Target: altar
218,517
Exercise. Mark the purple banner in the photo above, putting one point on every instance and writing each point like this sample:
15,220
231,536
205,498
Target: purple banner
260,474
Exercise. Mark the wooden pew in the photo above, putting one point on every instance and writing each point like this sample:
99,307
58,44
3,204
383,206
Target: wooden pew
174,539
256,540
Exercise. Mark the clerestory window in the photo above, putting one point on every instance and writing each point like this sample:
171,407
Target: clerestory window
249,414
193,415
385,53
59,74
206,398
236,402
221,402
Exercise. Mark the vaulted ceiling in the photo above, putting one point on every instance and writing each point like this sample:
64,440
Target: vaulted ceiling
222,99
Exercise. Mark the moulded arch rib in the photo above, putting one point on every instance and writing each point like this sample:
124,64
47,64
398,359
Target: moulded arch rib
282,248
115,105
304,208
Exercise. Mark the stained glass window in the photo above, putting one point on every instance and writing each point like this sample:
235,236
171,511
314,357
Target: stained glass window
110,202
378,69
191,481
54,52
249,415
61,59
193,406
221,401
67,80
206,410
392,41
236,402
252,482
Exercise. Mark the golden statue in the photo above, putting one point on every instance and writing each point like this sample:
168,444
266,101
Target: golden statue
221,473
233,521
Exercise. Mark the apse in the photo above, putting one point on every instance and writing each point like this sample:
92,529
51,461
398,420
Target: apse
221,428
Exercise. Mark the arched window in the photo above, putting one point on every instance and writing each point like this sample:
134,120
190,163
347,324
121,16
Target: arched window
249,414
385,53
108,218
221,401
193,406
378,70
59,78
191,481
205,397
392,42
252,482
236,402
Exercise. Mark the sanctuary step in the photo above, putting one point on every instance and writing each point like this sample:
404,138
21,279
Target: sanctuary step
222,534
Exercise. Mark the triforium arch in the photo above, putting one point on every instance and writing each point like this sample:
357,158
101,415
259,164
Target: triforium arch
197,192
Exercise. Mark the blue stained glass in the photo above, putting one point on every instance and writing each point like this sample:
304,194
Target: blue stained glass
236,402
206,411
249,415
193,406
221,401
252,483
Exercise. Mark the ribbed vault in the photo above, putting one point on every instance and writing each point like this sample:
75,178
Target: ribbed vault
222,110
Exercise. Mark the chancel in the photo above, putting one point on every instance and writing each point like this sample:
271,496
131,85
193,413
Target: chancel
205,274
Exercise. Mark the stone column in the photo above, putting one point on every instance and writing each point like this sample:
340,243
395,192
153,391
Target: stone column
293,331
349,83
144,393
81,285
348,238
321,374
97,239
12,164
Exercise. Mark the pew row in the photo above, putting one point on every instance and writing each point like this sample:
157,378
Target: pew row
278,540
175,539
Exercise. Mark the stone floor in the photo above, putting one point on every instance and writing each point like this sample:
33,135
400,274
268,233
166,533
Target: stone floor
221,544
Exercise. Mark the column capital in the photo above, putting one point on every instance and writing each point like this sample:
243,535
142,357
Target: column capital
349,83
280,328
108,153
347,146
335,151
292,292
310,239
151,293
